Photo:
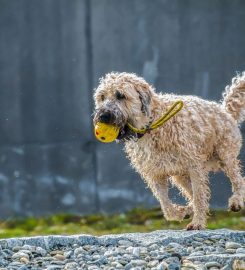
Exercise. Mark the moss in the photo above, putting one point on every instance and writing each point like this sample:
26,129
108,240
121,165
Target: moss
136,220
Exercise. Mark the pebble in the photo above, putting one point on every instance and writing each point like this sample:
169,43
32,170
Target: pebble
136,252
138,262
54,267
232,245
162,266
197,253
153,247
174,266
23,267
226,267
24,260
125,243
41,251
212,264
192,254
152,263
78,251
238,265
240,250
116,264
143,250
71,266
59,257
19,255
128,266
231,250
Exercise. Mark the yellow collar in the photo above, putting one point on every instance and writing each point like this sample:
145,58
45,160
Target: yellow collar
172,111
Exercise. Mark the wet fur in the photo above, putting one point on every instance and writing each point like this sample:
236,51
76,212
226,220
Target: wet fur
204,136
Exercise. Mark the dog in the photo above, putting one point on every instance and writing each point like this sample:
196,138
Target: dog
203,136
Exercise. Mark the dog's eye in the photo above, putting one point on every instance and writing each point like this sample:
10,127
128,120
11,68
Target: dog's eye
120,95
102,97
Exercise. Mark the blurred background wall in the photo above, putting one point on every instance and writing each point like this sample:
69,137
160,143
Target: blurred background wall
52,53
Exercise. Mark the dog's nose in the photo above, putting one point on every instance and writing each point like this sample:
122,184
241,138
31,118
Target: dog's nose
106,117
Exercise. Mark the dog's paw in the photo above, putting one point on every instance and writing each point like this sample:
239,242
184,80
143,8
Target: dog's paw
236,203
179,213
194,226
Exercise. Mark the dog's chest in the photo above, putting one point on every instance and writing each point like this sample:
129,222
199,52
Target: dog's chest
146,157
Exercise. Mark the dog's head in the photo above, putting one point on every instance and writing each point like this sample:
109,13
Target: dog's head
123,98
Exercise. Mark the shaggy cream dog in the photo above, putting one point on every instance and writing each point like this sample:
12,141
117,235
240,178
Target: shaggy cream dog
204,136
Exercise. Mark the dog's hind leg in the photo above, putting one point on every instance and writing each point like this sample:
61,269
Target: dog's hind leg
170,210
201,195
228,152
233,171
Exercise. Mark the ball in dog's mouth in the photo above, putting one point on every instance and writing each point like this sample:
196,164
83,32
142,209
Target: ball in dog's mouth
108,133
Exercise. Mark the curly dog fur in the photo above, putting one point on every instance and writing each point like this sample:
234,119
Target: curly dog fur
204,136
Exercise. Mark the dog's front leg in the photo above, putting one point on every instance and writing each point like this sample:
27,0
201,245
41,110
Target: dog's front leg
201,195
170,210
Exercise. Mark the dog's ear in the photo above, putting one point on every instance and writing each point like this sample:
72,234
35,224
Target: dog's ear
145,99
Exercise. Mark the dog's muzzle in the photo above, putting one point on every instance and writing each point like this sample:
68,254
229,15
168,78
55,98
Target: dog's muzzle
107,118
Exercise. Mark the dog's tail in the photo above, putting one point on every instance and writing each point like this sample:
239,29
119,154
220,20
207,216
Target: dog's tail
234,98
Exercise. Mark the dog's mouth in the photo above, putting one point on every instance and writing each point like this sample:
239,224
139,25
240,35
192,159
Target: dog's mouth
126,134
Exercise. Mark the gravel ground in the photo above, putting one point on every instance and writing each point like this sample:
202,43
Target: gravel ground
173,250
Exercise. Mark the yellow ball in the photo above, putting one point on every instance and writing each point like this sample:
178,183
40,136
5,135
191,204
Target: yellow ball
106,133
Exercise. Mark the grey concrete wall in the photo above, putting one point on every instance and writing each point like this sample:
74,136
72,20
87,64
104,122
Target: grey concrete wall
52,54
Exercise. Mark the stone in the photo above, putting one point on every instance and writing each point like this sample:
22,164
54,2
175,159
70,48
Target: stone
55,252
16,249
174,266
143,250
162,266
19,255
136,251
55,267
230,250
232,245
213,264
24,260
59,257
78,250
153,247
29,247
153,263
138,262
238,265
23,267
93,267
197,253
240,250
125,243
116,264
128,266
226,267
71,266
41,251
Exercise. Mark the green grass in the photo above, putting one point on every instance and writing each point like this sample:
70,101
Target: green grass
136,220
